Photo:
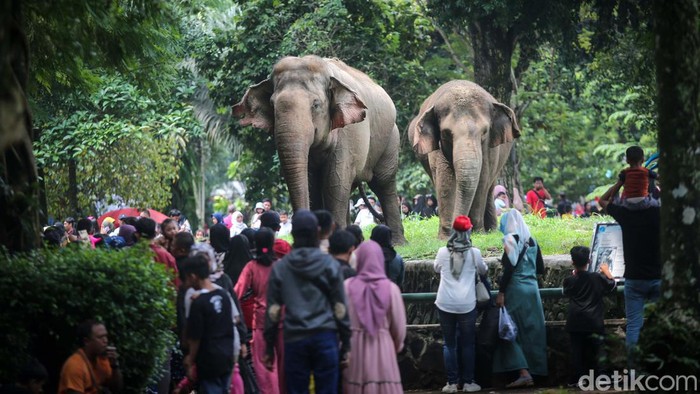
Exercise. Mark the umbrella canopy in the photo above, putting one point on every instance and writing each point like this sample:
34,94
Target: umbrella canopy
155,215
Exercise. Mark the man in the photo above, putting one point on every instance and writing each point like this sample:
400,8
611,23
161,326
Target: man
641,234
69,226
285,224
267,204
212,339
536,197
271,220
310,285
94,365
182,221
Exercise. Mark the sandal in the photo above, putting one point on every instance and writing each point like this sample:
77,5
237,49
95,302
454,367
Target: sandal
522,381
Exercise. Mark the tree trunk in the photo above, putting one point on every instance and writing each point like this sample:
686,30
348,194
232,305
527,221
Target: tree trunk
671,333
19,211
493,51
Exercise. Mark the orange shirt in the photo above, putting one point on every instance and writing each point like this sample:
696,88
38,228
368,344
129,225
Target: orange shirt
76,376
636,182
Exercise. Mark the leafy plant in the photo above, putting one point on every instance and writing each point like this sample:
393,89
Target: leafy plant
47,293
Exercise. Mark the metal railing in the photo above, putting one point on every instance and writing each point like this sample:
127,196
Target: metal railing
546,293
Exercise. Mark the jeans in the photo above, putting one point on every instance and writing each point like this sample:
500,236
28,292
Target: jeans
459,328
220,385
318,353
637,293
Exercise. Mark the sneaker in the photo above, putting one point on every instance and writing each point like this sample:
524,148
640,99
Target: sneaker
523,381
450,388
471,387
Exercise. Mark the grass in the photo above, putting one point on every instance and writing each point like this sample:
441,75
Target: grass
555,236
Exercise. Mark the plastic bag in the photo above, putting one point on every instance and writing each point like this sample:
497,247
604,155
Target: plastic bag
506,326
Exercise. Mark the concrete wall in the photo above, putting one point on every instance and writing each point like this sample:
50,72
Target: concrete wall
422,366
421,361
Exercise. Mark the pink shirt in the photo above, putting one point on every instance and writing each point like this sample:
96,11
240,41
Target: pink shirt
255,276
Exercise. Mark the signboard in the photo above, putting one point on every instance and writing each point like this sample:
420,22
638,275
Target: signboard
606,247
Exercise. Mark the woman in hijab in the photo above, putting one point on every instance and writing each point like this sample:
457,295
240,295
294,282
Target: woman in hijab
393,262
237,224
238,256
518,291
419,205
378,321
219,240
127,231
458,264
254,279
217,218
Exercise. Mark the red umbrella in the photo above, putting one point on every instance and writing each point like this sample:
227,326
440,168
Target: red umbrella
155,215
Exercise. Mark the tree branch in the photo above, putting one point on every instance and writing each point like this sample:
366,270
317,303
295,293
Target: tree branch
454,56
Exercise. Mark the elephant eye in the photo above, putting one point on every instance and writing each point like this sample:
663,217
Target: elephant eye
316,104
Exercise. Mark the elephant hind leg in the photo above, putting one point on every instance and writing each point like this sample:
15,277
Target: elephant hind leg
389,200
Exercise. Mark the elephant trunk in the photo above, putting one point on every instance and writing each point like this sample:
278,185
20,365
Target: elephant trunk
294,131
467,166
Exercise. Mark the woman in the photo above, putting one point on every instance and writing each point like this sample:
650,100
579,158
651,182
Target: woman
406,210
431,206
458,264
393,262
255,220
378,321
237,224
518,291
254,279
217,218
219,240
419,205
236,259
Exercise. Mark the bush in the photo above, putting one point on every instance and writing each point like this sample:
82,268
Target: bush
46,293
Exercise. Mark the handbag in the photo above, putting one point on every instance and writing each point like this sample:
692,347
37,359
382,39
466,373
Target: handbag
482,293
507,329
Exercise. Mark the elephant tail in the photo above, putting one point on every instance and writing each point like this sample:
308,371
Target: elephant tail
369,206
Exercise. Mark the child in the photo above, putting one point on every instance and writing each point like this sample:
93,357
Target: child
585,320
637,181
212,338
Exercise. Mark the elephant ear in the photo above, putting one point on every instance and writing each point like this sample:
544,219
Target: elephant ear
255,106
426,133
345,108
504,126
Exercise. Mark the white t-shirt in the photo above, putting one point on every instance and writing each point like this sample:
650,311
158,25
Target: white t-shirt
285,229
364,218
458,295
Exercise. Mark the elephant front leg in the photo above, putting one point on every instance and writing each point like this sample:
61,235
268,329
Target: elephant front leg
337,186
444,182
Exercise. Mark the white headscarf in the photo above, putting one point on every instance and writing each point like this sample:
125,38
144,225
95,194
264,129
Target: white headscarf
512,223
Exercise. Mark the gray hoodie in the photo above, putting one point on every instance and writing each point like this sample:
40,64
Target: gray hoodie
309,284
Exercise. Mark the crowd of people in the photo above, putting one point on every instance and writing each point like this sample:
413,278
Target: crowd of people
326,312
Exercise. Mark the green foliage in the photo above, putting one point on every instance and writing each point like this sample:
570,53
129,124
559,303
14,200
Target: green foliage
577,124
668,342
555,236
123,143
69,40
46,293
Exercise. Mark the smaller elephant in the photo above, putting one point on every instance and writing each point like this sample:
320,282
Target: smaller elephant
462,136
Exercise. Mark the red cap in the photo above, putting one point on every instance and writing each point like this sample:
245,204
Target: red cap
462,223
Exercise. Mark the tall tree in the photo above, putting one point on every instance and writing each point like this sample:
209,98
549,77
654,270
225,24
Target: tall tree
19,195
669,341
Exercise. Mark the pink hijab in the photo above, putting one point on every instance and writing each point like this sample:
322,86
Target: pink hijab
370,290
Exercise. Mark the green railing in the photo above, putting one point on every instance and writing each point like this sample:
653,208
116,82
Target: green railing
548,293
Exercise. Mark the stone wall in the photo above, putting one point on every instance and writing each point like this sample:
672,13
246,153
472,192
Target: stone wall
421,278
422,366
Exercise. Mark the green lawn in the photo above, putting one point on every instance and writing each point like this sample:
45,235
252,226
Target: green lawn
555,236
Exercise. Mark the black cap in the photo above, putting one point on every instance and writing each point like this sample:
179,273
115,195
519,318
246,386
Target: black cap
304,221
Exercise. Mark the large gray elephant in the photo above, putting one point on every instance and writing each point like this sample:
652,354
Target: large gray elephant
334,128
462,137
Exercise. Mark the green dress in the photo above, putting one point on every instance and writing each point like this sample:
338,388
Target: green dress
522,300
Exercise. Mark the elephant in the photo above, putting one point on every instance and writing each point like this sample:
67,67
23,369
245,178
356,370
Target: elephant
462,136
334,128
